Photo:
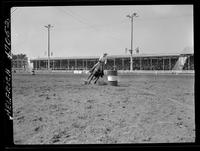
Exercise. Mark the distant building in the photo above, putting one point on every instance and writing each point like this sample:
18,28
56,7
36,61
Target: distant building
170,61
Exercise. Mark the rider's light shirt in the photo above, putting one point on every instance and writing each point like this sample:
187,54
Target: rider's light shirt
103,59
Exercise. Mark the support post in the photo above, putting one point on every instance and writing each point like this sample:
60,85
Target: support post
163,63
131,50
48,27
122,63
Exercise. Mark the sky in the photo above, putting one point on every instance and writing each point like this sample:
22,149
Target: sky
93,30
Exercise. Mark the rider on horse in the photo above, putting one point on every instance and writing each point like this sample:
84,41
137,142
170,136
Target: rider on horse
98,69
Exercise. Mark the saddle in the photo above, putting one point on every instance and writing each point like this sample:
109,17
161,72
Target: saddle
97,71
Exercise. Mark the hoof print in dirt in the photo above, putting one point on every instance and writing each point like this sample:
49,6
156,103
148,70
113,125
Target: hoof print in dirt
20,118
76,101
79,125
47,98
88,107
55,139
108,129
38,119
147,139
83,117
67,136
75,125
107,140
38,129
110,104
40,95
179,118
90,101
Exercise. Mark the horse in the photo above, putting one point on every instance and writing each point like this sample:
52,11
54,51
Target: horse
96,73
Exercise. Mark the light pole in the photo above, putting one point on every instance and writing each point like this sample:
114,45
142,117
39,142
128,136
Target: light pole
48,27
131,50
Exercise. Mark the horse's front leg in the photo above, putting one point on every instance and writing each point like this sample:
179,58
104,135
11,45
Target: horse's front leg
89,76
97,78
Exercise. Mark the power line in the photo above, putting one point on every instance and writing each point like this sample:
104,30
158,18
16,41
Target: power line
76,18
78,15
116,23
83,22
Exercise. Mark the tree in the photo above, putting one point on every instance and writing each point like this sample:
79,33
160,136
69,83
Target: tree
19,56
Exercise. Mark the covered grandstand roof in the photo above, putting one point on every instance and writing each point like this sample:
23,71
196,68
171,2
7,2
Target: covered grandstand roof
116,56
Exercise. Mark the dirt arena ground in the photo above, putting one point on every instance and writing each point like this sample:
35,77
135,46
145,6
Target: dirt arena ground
60,109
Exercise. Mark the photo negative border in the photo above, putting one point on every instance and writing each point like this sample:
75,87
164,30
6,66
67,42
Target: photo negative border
6,74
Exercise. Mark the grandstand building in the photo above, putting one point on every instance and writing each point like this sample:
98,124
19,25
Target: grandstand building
173,61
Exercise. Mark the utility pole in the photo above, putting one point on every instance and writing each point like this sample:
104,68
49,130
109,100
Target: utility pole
48,27
131,50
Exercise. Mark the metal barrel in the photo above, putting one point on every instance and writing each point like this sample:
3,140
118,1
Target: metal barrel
112,77
33,72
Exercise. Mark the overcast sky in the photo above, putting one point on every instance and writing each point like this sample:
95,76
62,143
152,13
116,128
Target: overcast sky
93,30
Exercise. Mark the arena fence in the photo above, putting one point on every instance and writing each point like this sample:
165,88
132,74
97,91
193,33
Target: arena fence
120,72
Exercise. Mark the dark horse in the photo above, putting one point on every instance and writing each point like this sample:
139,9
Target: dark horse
96,72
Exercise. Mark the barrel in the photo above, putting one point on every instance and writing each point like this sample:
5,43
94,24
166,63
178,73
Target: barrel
112,77
33,72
